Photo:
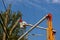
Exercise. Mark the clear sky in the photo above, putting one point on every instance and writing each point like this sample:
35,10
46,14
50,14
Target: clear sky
33,11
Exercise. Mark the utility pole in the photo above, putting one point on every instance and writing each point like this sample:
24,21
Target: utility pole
50,31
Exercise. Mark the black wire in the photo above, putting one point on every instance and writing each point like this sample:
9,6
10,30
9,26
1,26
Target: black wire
4,4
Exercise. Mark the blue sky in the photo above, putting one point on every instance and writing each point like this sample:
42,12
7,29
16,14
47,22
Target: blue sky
33,11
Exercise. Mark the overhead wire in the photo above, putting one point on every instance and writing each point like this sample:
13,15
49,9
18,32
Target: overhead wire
4,4
38,6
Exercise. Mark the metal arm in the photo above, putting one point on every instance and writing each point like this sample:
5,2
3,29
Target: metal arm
37,27
33,27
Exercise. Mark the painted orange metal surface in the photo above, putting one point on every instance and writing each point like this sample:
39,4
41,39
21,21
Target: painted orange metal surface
50,32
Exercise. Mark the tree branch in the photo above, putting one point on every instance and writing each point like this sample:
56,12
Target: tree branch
13,27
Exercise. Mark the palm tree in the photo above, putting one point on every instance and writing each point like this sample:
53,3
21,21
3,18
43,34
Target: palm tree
9,26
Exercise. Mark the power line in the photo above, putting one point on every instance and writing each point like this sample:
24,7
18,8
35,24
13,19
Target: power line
4,4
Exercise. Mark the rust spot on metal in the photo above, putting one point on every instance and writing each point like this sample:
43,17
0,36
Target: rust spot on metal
49,17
